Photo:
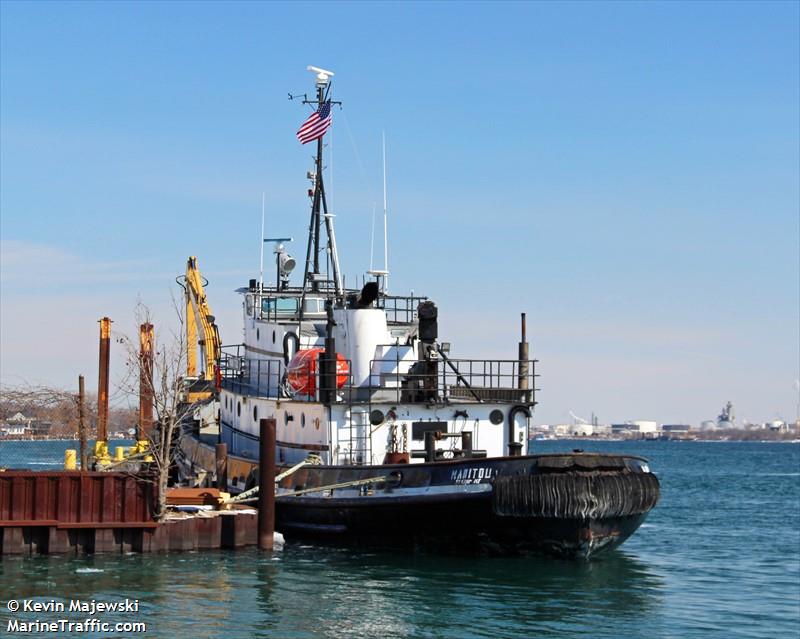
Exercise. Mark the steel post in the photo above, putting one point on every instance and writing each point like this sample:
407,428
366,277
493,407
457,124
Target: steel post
466,443
430,446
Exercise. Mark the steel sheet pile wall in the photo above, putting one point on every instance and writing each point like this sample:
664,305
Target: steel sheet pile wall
92,512
71,510
73,499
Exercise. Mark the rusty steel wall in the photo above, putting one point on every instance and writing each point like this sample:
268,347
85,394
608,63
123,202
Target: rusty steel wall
74,499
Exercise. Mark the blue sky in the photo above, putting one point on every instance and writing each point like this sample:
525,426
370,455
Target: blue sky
625,173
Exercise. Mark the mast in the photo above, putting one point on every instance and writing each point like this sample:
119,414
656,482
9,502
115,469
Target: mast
261,243
319,207
385,227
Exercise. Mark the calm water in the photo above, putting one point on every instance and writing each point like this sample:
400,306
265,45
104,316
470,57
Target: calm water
718,557
46,455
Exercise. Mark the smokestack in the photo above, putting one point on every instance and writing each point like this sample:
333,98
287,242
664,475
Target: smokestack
523,358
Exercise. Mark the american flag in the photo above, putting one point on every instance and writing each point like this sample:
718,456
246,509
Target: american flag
317,123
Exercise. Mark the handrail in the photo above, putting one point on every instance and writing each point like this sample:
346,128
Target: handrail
462,380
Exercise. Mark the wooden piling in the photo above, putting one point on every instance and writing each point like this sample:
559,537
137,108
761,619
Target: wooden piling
221,458
82,423
266,492
102,380
146,340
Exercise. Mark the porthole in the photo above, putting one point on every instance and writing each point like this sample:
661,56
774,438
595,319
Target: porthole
258,335
273,337
239,409
255,413
376,417
303,420
286,418
316,423
496,416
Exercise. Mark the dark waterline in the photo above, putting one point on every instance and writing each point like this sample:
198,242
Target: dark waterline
718,557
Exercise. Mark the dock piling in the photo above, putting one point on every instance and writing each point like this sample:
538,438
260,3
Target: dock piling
146,340
102,381
266,493
82,423
221,458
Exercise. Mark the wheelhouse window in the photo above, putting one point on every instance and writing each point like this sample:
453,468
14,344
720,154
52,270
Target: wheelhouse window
271,306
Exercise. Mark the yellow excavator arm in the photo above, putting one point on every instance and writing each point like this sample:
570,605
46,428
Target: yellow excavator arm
199,319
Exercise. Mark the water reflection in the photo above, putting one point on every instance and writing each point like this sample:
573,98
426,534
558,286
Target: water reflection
717,557
306,590
390,594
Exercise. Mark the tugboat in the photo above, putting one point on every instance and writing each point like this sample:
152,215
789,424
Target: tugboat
385,439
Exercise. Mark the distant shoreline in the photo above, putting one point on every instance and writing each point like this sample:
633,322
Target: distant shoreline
788,439
59,439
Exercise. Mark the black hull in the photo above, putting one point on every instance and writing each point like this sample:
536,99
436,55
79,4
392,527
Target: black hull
457,527
566,505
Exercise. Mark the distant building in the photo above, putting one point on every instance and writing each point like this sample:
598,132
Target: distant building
16,426
582,430
644,427
13,431
675,429
602,430
640,427
620,429
19,426
562,430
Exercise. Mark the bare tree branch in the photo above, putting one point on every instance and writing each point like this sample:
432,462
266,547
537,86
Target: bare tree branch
166,387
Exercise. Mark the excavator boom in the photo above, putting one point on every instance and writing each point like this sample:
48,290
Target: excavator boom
201,329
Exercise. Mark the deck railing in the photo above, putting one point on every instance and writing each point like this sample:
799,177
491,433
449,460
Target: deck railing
284,305
249,376
402,381
456,380
438,381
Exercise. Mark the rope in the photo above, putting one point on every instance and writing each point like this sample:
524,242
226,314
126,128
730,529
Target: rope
242,498
319,489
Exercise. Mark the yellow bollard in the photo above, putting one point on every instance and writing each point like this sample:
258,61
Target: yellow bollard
70,459
101,452
119,453
144,445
